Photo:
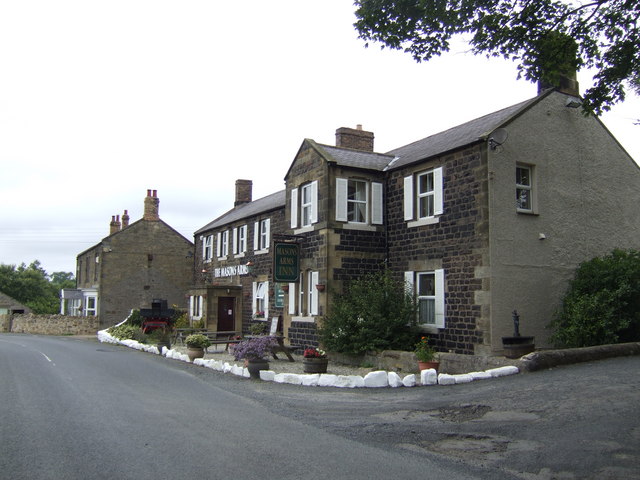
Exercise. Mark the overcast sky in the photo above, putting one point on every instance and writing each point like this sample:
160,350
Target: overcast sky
100,101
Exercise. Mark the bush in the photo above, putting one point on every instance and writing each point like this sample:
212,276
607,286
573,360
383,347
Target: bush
375,313
125,332
602,304
135,318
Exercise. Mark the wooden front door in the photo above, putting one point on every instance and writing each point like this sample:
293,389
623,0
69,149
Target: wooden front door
226,314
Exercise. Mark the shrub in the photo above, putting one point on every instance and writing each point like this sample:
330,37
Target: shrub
376,312
602,304
197,340
125,332
135,318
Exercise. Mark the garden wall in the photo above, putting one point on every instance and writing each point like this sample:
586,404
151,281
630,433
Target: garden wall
50,324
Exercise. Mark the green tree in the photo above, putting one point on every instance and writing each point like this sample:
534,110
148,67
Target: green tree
602,304
32,286
375,313
606,35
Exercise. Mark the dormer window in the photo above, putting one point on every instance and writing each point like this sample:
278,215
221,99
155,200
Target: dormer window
358,201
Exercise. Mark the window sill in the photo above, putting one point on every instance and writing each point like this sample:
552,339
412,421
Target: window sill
526,212
222,259
239,255
423,221
261,252
427,328
303,319
308,228
359,226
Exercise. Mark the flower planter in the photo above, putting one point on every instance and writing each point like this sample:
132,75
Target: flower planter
195,352
515,347
428,365
315,365
255,365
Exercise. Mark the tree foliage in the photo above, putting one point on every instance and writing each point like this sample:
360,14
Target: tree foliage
375,313
602,304
606,35
33,287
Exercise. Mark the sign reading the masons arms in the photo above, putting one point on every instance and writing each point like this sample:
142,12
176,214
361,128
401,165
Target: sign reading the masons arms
286,262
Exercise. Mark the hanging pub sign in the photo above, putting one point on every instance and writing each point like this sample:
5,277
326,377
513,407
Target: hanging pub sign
286,262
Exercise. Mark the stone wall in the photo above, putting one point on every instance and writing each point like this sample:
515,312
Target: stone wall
5,323
52,324
458,243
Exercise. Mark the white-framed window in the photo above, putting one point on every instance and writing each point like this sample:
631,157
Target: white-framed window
90,306
223,244
260,303
358,201
423,197
428,288
312,299
262,235
207,248
195,307
304,202
524,189
240,240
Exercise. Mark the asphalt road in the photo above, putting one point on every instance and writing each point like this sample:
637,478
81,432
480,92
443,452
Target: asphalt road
73,409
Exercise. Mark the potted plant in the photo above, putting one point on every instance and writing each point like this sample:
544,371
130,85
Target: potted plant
196,344
254,351
314,360
426,355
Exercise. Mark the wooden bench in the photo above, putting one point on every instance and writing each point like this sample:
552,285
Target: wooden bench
281,347
223,338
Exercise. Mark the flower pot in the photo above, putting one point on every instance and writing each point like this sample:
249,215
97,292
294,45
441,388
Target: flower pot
195,352
428,365
255,365
315,365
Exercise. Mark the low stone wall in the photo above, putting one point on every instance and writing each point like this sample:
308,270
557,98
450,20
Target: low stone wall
54,324
5,323
406,362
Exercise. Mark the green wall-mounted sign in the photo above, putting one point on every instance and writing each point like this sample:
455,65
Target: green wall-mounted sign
286,262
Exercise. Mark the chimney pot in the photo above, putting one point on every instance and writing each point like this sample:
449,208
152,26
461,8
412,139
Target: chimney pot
125,219
151,206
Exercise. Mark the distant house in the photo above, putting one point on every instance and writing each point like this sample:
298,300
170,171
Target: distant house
485,218
135,264
10,306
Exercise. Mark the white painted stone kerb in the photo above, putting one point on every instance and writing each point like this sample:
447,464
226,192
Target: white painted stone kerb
377,379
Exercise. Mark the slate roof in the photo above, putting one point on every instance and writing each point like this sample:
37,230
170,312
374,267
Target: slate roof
245,210
357,158
456,137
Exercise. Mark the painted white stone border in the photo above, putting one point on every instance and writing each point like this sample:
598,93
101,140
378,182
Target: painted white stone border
377,379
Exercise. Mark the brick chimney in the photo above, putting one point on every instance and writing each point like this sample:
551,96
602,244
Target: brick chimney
243,192
125,219
151,204
114,226
357,138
